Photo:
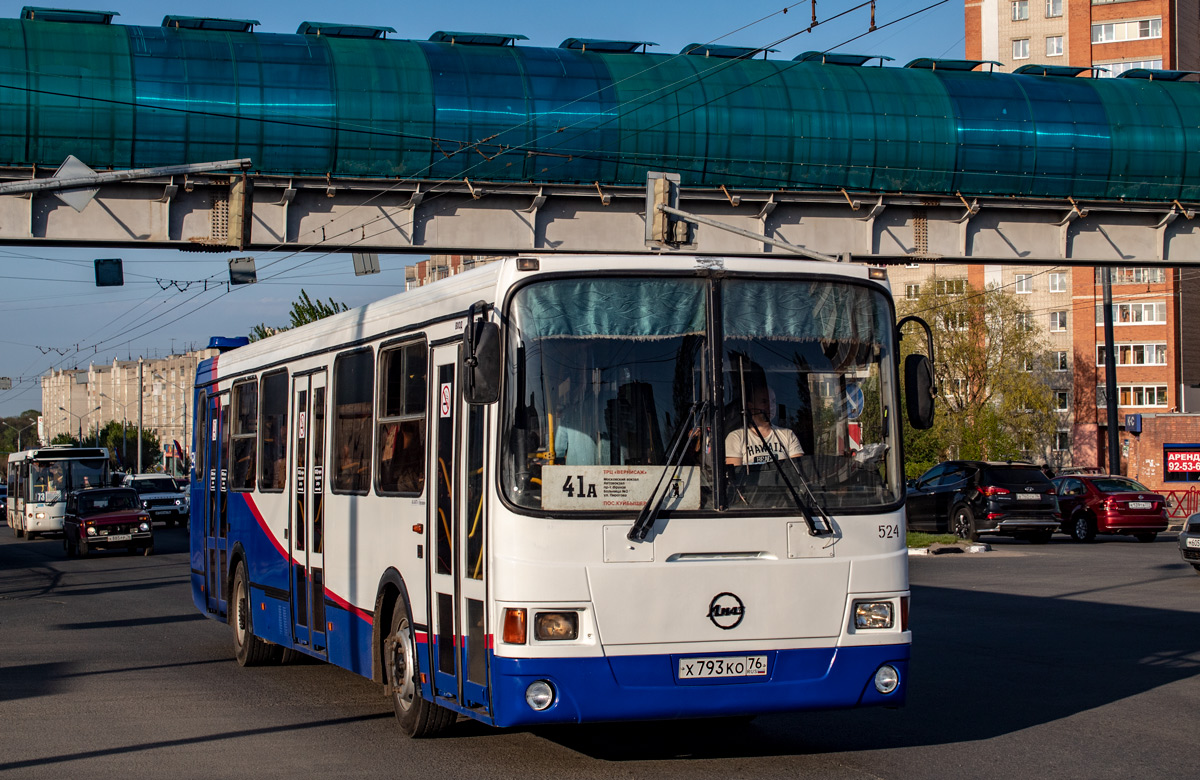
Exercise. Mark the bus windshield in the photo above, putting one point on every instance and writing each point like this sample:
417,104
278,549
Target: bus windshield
607,378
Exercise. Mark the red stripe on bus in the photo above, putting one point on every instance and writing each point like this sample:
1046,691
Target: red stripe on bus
258,518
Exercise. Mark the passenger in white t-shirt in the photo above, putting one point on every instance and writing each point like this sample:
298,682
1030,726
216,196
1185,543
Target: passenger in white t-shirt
748,444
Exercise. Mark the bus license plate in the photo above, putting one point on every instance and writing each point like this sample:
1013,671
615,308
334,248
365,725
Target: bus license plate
118,538
1193,542
1140,504
727,666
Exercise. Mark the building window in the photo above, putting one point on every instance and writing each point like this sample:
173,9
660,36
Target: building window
1058,282
1137,29
1027,363
1135,395
1136,354
912,291
400,445
1054,45
1062,440
954,320
1021,49
1024,321
950,286
1112,69
1062,401
1134,275
1135,313
1060,361
1058,321
1020,10
1054,8
1024,283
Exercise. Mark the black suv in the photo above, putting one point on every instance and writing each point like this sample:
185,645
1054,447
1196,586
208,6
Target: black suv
972,497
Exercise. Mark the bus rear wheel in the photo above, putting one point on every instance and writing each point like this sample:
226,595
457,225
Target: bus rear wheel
247,648
417,717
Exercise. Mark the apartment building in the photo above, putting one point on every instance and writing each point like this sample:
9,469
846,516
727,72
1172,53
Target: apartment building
1155,365
78,400
1115,35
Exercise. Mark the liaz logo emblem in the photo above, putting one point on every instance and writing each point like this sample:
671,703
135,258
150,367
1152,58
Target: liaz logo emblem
726,611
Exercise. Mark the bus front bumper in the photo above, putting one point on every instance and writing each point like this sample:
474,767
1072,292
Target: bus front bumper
647,687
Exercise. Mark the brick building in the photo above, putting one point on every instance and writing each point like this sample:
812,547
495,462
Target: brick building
1116,35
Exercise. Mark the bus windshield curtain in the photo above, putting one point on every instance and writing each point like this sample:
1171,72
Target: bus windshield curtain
803,311
612,308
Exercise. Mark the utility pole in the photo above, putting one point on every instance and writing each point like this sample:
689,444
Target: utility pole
141,392
1110,377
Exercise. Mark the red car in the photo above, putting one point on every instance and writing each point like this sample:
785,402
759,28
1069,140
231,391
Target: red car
106,518
1100,504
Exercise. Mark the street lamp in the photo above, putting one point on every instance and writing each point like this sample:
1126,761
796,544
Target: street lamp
19,431
124,461
80,418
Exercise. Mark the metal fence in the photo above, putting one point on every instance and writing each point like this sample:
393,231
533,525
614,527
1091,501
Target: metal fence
1182,503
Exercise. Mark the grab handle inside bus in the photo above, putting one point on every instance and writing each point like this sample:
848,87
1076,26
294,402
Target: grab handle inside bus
919,389
481,357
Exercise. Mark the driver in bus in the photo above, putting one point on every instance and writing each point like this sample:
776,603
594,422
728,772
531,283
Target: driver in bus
748,443
573,444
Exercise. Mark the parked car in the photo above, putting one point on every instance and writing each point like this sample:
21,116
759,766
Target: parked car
1102,504
1189,541
106,518
970,497
4,499
160,497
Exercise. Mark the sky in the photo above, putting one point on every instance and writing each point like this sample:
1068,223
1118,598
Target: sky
53,316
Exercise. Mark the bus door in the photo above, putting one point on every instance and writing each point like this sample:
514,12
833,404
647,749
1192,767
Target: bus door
457,638
307,533
216,521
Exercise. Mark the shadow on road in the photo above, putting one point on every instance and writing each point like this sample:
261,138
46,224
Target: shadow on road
971,678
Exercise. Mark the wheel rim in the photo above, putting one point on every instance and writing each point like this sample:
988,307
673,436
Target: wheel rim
962,528
404,688
1081,527
241,608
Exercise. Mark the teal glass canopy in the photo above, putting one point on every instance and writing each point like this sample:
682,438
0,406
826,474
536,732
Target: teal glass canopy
119,96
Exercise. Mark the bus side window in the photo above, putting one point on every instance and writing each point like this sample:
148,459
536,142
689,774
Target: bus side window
353,385
245,409
273,431
400,444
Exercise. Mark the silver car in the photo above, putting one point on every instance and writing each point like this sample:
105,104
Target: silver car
1189,541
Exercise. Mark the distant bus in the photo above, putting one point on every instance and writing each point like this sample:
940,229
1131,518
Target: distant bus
39,479
571,489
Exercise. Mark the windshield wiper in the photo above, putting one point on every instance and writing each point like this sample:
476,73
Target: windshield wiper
805,510
650,510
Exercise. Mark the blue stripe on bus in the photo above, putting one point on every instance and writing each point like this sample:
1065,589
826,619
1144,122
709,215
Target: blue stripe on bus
645,686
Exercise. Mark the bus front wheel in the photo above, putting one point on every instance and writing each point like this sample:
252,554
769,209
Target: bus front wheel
247,648
417,717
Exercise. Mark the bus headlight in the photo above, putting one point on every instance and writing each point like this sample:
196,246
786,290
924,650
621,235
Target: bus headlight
539,695
552,626
873,614
40,515
886,679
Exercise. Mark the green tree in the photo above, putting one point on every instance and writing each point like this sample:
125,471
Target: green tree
304,311
25,424
65,438
994,401
122,446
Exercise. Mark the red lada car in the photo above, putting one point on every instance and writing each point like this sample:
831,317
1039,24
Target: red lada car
106,518
1097,504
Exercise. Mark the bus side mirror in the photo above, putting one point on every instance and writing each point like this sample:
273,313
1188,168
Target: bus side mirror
481,358
918,391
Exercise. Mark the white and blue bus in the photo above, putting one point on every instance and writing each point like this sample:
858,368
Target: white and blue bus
571,489
39,480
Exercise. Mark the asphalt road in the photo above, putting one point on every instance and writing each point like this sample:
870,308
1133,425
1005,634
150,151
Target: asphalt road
1056,661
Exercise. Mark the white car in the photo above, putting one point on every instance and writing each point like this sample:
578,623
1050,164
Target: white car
1189,541
160,497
